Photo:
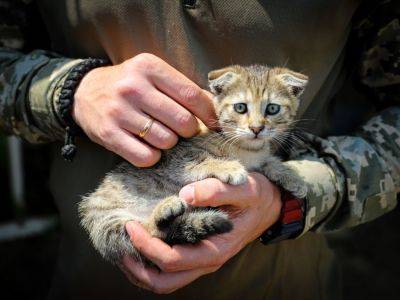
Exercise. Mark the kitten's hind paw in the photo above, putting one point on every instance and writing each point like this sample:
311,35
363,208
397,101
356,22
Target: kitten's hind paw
168,210
197,225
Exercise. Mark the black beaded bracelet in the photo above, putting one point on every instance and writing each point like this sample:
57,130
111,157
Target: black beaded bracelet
66,101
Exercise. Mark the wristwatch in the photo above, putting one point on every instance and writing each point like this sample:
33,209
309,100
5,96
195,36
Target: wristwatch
290,223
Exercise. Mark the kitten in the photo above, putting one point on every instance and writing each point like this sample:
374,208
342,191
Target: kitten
255,106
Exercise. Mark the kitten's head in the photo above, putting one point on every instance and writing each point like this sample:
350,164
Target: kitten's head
255,104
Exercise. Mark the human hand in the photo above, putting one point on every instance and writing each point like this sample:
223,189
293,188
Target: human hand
113,104
253,208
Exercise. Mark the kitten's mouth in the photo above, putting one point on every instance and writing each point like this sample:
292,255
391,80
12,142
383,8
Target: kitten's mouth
253,144
255,137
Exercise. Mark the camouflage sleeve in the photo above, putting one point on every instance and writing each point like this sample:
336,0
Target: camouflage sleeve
29,83
355,179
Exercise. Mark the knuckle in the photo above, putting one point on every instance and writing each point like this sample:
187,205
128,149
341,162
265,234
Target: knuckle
169,264
113,110
126,88
146,158
144,61
185,122
167,141
184,119
190,95
105,133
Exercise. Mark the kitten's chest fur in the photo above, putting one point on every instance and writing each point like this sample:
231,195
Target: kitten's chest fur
251,159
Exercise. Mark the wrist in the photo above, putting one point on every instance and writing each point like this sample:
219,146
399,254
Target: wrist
66,103
92,80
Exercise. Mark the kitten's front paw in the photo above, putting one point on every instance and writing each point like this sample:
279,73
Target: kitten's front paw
296,186
168,210
233,177
230,172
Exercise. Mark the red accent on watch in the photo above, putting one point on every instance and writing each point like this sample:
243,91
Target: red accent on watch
291,216
290,223
292,209
291,204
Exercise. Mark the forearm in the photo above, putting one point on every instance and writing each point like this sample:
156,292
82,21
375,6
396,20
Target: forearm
352,179
29,80
29,90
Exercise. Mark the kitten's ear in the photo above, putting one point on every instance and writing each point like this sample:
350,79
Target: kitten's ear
296,82
220,80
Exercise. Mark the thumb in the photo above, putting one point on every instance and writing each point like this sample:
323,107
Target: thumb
212,192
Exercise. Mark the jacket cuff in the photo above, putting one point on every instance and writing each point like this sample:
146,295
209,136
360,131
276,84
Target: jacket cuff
44,93
323,189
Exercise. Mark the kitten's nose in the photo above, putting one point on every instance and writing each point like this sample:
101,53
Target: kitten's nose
256,129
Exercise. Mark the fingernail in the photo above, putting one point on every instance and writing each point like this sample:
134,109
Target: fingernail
187,193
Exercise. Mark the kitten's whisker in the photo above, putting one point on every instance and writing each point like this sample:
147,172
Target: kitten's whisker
232,143
233,138
284,140
278,143
282,144
299,136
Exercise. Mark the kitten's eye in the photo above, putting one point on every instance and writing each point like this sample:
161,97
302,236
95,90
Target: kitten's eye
240,108
272,109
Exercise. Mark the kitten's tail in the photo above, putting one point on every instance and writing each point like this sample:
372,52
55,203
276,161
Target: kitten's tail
197,224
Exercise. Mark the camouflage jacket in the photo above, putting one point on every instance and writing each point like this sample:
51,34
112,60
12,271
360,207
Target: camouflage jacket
352,179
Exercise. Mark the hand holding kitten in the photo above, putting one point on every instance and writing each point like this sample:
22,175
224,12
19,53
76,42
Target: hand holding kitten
254,206
113,104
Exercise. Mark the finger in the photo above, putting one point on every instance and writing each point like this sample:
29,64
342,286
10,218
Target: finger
130,148
213,192
161,282
158,135
170,113
206,254
186,92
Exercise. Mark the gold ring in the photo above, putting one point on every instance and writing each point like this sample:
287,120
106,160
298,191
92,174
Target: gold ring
146,128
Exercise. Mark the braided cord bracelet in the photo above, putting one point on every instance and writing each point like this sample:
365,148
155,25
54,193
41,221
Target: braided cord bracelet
66,102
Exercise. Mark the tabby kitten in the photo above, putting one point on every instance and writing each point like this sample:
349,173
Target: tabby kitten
255,106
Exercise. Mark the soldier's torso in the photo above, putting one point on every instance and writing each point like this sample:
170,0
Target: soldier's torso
307,36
